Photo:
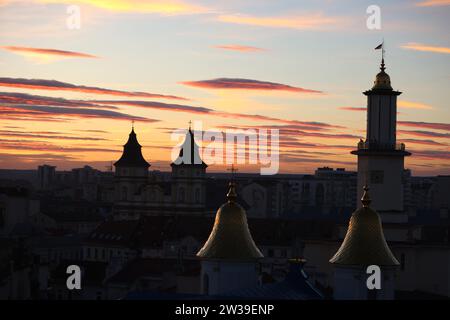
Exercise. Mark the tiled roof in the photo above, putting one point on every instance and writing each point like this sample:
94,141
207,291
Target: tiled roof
154,267
151,231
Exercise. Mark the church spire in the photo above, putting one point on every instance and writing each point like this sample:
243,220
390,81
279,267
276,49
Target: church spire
132,154
189,151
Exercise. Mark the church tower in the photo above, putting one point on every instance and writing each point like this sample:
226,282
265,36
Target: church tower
380,157
229,256
364,245
131,176
188,178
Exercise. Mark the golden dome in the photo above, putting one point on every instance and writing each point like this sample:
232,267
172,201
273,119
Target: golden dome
382,79
230,238
364,243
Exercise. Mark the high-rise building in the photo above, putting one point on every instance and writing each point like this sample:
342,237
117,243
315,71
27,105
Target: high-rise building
46,175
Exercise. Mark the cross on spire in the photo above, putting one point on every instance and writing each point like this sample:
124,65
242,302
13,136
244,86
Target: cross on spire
233,170
190,124
231,195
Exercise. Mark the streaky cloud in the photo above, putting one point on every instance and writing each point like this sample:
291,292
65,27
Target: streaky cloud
433,3
240,48
422,133
425,48
54,85
316,21
246,84
48,52
428,125
37,110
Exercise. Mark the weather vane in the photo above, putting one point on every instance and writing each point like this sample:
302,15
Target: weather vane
381,46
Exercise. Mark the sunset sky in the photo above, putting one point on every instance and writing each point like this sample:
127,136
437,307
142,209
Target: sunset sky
68,96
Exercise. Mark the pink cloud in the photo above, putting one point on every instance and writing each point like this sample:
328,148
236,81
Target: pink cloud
246,84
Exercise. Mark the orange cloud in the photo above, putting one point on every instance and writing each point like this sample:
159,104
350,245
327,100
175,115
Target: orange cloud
42,84
237,47
46,54
413,105
433,3
428,125
167,7
23,112
245,84
305,22
426,48
420,133
353,108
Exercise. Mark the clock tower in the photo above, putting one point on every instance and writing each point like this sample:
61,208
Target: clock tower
380,157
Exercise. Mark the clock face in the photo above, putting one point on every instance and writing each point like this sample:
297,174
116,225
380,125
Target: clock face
376,176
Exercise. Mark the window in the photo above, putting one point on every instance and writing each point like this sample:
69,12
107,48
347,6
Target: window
89,253
270,253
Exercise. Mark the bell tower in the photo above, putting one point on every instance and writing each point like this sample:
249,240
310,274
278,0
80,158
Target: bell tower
188,178
131,175
380,157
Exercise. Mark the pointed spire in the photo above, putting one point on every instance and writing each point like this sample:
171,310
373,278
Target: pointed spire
366,197
132,154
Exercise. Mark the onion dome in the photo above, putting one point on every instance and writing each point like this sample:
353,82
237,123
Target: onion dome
364,243
230,238
189,152
382,79
132,154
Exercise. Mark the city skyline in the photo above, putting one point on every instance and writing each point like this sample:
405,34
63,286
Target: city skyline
68,97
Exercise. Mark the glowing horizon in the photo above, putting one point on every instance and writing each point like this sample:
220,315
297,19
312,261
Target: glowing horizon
68,97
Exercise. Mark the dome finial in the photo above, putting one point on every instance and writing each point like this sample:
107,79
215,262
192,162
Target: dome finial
366,198
232,195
